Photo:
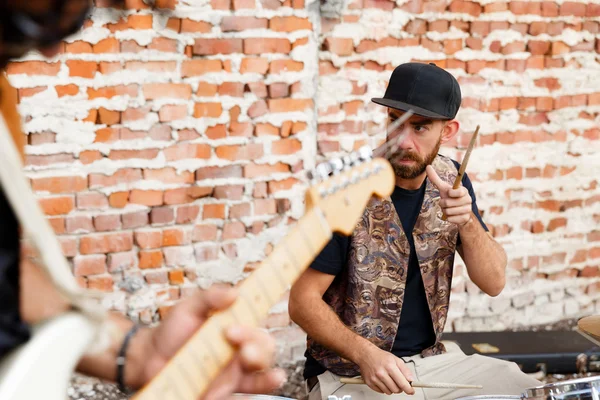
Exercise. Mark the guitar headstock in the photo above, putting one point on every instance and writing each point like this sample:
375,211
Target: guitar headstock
341,188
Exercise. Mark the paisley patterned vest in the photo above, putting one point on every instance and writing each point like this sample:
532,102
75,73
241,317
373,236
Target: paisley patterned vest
368,295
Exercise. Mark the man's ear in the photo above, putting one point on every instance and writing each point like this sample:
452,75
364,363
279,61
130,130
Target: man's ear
450,130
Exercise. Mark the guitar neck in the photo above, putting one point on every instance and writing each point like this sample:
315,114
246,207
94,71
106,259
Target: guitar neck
198,362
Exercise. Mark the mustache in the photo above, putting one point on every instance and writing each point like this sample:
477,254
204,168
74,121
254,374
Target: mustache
406,155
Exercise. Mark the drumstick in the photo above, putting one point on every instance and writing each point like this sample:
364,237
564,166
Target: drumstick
438,385
463,165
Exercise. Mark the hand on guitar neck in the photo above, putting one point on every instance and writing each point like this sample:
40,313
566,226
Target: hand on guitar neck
250,371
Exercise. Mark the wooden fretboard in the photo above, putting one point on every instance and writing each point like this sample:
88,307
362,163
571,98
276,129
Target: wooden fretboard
199,361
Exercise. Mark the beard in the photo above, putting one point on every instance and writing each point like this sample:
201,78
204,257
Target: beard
412,171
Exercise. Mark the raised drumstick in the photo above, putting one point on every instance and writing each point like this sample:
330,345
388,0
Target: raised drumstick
463,165
437,385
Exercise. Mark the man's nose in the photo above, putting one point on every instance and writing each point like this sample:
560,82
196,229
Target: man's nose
405,139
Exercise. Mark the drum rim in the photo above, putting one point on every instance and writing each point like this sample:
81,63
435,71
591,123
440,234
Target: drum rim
565,386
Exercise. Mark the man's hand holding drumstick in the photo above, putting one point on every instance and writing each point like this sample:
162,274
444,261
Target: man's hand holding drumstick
455,200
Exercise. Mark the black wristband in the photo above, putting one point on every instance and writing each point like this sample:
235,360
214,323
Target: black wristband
121,360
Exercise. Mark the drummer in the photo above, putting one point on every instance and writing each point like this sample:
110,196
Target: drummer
375,304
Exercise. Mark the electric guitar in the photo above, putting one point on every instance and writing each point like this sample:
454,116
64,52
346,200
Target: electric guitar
340,190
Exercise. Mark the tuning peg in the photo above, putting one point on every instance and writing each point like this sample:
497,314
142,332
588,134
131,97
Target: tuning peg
365,153
337,165
323,170
347,160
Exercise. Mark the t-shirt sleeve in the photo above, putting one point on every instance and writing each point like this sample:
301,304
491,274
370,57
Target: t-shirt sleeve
332,258
466,182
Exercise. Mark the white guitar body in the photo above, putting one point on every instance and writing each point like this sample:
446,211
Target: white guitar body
42,368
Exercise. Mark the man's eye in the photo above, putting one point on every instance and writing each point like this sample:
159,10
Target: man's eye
420,128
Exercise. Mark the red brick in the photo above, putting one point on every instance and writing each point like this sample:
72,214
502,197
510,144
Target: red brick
259,89
254,65
118,199
79,224
235,89
243,4
289,105
289,24
187,213
229,171
240,23
467,7
240,152
107,222
213,211
206,89
106,243
556,223
83,69
89,265
78,47
536,47
204,233
573,8
189,25
146,154
162,215
266,45
234,230
265,206
153,91
217,46
103,283
57,205
91,201
150,259
277,66
210,110
59,184
109,45
33,68
200,67
256,170
339,46
172,112
438,26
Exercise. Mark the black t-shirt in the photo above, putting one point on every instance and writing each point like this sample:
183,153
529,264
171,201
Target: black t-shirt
13,331
415,330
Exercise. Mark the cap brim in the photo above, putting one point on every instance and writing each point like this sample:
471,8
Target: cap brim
399,105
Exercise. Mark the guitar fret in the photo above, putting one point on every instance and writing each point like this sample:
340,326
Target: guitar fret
234,314
291,256
307,240
213,353
190,381
251,308
322,222
196,357
264,288
284,283
168,387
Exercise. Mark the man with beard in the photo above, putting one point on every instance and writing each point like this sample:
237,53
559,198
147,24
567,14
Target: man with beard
375,303
41,25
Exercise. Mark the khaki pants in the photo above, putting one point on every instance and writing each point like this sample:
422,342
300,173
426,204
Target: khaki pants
497,377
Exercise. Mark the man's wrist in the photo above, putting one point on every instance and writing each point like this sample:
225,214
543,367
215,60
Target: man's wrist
363,347
469,228
136,357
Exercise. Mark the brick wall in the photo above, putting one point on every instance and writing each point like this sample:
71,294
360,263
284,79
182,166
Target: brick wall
169,148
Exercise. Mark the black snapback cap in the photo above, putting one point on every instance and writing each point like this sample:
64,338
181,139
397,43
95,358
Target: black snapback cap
427,89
